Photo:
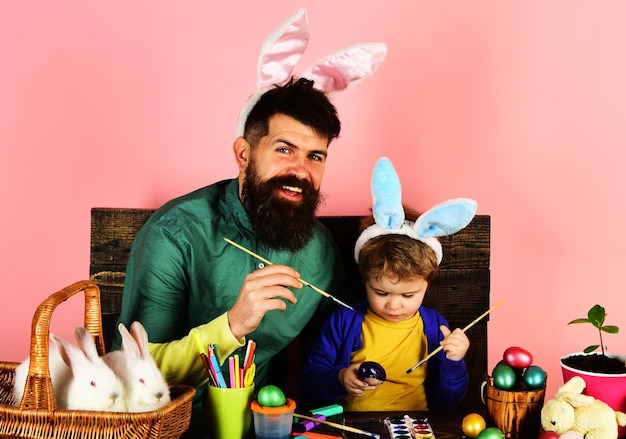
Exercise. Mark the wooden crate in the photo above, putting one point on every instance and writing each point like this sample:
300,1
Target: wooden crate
460,291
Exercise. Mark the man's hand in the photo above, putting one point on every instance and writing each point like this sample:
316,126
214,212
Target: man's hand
261,292
455,344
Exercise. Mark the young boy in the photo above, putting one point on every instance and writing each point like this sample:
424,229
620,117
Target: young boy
397,261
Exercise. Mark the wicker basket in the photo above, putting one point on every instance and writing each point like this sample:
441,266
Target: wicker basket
38,415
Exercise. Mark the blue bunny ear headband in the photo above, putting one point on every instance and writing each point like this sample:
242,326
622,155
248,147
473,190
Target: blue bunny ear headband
443,219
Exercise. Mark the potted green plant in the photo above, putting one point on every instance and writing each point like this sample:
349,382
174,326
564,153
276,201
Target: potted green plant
597,362
603,372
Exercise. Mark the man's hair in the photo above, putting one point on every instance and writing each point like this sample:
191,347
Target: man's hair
299,100
395,256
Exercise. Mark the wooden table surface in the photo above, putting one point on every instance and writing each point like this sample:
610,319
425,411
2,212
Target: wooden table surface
445,425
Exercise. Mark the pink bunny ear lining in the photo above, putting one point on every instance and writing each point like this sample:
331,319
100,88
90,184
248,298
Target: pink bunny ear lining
346,67
282,50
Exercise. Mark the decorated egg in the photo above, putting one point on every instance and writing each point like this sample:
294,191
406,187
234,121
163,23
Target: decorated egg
517,357
504,376
490,433
271,396
372,370
473,424
534,377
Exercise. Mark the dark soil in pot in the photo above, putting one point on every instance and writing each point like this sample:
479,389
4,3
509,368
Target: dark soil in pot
597,363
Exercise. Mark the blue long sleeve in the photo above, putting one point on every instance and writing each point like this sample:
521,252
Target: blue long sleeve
445,385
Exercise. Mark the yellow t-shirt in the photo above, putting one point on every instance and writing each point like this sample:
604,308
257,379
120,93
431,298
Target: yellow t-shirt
396,347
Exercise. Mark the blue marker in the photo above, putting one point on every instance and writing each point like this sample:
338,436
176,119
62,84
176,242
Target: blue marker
218,371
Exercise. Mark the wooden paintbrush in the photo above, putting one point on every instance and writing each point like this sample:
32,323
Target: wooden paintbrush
310,285
338,426
476,320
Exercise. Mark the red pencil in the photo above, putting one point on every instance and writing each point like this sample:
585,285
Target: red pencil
249,357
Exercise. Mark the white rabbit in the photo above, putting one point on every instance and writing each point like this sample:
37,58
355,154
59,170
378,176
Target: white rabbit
80,379
145,389
60,374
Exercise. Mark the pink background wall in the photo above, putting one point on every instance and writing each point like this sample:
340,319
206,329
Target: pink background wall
519,105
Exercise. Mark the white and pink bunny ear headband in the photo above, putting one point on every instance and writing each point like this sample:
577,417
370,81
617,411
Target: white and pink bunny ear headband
284,47
443,219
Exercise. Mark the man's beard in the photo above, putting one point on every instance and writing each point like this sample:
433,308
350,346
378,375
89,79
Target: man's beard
280,223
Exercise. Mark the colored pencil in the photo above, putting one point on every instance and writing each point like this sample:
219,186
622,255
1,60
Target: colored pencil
215,368
236,371
249,356
204,358
231,373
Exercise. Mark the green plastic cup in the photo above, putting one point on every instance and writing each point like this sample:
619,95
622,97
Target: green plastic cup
229,411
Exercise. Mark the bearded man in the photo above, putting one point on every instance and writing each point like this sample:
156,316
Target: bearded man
184,278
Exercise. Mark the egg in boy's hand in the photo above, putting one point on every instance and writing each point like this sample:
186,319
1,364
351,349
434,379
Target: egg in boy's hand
372,373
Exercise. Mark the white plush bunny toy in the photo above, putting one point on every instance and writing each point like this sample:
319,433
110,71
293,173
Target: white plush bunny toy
572,413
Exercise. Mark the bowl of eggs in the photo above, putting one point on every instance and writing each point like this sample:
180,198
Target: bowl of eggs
514,394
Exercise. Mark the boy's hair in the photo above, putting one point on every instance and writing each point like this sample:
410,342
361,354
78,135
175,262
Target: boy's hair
298,99
398,257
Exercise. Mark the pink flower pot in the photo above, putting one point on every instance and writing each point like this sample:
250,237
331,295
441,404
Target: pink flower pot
610,388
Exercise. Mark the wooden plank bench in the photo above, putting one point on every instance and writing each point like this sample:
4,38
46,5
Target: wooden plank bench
460,290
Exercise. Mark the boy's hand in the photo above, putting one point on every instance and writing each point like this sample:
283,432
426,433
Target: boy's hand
455,344
350,380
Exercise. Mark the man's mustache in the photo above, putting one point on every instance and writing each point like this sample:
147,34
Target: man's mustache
290,182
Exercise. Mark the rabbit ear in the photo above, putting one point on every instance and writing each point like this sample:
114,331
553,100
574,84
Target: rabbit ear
576,399
129,345
71,355
387,195
446,218
282,50
62,347
86,343
141,338
346,67
386,206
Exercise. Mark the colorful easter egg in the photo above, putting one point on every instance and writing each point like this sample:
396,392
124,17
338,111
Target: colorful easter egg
490,433
504,376
271,396
473,424
517,357
534,377
373,370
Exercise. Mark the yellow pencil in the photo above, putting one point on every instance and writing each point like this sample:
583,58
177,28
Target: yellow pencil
237,378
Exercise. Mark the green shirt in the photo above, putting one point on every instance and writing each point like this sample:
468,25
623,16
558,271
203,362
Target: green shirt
182,276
